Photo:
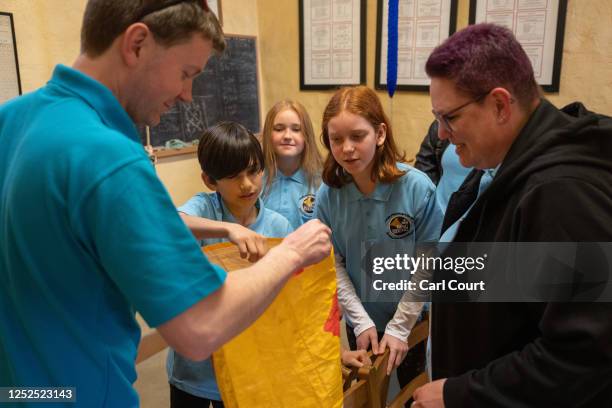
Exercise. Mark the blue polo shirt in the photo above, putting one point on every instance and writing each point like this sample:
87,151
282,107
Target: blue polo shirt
268,223
88,236
291,197
397,214
453,175
198,378
485,181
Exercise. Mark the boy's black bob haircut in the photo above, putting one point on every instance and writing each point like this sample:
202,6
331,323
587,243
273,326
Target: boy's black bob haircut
227,149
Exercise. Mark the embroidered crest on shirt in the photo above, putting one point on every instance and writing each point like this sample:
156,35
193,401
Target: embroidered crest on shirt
399,225
307,203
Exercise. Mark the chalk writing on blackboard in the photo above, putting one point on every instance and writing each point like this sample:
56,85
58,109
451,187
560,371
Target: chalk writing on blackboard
226,90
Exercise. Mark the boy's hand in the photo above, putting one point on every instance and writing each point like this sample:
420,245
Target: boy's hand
311,243
250,244
356,358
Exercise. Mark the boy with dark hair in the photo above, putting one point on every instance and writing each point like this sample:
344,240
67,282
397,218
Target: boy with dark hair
232,165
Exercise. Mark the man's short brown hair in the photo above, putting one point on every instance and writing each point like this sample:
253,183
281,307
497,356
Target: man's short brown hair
170,21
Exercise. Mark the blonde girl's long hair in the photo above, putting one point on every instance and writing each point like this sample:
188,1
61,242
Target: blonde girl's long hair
311,162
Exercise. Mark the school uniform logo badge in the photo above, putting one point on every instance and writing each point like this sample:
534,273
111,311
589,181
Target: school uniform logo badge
399,225
307,204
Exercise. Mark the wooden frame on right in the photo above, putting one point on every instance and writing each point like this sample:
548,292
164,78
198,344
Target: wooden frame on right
215,6
10,81
422,26
539,26
332,43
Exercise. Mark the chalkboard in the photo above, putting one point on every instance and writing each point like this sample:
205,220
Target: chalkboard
226,90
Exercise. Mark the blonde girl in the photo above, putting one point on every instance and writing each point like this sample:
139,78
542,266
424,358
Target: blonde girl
292,162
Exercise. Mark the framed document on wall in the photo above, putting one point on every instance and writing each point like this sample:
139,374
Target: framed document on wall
422,25
215,7
10,83
539,26
332,43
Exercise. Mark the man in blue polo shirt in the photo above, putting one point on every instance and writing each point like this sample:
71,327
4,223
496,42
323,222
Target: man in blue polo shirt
88,234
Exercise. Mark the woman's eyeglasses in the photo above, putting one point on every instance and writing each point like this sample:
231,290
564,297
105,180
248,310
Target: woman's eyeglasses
444,119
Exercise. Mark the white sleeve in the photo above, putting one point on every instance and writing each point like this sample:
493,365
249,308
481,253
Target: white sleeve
405,316
349,301
409,308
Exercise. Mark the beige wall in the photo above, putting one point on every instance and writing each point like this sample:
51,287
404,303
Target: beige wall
181,174
48,32
586,72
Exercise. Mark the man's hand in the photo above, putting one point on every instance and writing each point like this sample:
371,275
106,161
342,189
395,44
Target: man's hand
367,337
430,395
355,358
398,350
249,243
311,243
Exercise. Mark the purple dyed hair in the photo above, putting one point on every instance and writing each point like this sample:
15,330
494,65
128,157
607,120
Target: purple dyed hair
482,57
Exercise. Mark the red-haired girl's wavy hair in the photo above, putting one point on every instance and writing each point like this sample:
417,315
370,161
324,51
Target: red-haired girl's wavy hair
362,101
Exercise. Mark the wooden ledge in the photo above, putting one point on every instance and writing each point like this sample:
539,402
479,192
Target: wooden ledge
160,152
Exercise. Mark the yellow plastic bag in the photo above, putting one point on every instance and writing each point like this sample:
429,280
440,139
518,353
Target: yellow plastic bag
290,357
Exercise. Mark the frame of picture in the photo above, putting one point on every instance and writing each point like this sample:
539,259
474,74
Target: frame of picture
10,80
332,43
420,30
539,25
215,6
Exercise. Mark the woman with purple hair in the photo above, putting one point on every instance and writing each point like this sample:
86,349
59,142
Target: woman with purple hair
543,175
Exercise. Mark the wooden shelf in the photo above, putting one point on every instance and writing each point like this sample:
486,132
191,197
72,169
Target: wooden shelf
161,153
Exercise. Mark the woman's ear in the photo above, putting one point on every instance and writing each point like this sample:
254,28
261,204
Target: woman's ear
210,183
381,134
503,100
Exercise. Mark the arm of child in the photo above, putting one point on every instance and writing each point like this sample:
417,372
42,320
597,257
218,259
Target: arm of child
409,308
398,329
363,326
250,244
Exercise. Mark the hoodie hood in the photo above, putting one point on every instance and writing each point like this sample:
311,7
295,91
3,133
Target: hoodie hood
572,136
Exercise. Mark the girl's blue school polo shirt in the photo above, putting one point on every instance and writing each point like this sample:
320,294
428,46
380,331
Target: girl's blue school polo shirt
291,197
396,215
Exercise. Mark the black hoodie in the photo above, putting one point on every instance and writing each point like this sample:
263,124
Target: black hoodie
555,184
